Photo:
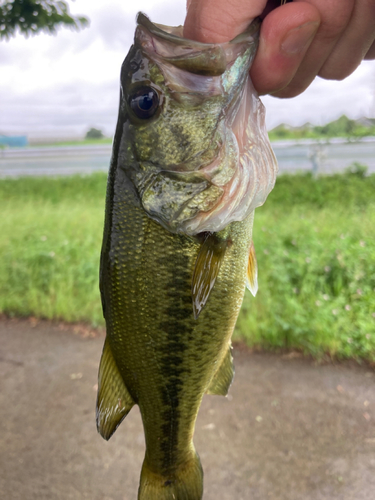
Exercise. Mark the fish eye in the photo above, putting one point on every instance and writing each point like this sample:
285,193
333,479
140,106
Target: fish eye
144,102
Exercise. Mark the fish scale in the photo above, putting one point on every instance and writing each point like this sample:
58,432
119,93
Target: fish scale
171,297
150,311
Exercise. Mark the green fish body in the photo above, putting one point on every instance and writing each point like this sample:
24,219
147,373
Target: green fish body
177,248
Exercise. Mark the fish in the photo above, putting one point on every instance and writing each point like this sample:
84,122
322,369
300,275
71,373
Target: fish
191,161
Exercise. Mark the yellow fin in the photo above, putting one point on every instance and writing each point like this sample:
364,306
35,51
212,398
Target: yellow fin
114,401
184,483
252,271
206,269
223,377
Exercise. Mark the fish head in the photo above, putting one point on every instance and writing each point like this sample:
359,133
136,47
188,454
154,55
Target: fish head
185,133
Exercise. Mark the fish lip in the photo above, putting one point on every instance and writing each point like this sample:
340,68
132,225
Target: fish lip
167,32
208,59
168,45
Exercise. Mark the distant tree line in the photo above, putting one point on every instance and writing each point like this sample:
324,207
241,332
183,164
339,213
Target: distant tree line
342,127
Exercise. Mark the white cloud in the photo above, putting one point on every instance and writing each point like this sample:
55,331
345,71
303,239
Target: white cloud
62,85
325,100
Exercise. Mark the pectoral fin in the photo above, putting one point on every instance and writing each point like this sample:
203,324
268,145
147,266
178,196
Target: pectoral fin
206,269
114,401
252,271
223,377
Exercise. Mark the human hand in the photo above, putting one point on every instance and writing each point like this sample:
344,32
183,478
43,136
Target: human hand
298,40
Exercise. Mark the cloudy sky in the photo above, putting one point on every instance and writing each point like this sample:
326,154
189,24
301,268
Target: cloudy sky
59,86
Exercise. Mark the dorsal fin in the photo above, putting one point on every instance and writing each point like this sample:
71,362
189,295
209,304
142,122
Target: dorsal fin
114,401
252,271
207,266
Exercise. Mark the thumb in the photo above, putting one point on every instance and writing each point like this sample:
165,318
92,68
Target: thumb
216,21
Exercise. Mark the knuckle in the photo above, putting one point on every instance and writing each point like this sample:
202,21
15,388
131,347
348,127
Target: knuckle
337,71
289,91
335,18
371,52
271,85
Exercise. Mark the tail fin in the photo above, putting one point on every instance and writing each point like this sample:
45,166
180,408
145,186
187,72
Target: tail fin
184,484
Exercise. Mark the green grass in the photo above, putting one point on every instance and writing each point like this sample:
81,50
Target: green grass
51,234
316,260
78,142
313,238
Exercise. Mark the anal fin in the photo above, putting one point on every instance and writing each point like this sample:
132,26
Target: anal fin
114,401
223,377
207,267
252,271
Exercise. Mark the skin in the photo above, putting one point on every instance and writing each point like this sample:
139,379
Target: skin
298,40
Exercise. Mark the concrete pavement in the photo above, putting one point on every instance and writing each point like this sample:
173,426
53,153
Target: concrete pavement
289,430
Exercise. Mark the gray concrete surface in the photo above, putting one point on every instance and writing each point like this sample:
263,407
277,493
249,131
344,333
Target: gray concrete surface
289,430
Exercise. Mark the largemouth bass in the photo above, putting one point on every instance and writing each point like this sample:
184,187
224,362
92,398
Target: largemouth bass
191,161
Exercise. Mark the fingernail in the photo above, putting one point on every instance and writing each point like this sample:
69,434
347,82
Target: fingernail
298,39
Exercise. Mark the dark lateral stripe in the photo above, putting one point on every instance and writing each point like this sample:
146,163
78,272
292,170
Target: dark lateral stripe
177,329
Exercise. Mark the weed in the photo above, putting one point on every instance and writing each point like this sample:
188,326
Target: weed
313,238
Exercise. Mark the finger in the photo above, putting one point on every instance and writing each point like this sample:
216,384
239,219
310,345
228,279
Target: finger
353,45
215,21
335,17
286,34
371,52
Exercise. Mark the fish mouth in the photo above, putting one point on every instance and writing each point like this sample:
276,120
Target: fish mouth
175,33
168,44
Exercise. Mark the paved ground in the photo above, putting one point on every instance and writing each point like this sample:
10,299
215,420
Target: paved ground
289,430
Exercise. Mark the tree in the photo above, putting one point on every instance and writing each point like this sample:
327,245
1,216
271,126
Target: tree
34,16
94,133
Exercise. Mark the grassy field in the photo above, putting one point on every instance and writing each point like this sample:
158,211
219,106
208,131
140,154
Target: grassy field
78,142
314,242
